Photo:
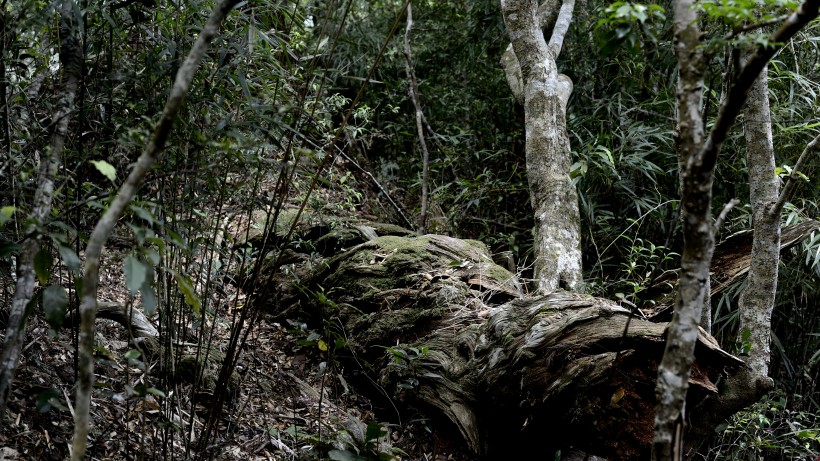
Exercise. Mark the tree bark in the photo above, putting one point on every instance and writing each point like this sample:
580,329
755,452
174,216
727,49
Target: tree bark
757,300
71,56
696,179
96,242
696,202
546,16
545,95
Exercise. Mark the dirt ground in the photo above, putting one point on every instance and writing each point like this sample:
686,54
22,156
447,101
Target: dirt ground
285,407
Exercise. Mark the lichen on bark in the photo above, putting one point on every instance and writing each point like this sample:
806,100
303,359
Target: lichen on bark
534,79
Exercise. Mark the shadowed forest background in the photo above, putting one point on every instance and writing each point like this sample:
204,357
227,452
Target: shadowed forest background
227,323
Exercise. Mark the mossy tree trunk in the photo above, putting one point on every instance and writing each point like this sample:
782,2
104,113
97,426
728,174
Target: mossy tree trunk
530,66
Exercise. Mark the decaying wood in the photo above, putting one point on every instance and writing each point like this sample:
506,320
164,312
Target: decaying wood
468,346
131,318
730,264
141,331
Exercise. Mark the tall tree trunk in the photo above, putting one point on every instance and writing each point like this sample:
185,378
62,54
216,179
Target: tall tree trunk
757,299
545,95
71,56
696,202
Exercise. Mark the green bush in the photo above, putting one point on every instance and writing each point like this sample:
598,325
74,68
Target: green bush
769,430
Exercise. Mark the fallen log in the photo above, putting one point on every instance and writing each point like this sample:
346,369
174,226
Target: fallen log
512,373
141,332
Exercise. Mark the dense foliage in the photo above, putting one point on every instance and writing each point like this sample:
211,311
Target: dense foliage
291,89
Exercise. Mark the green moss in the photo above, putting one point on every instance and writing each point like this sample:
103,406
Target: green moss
545,312
498,273
284,222
338,239
361,277
385,229
386,328
403,244
478,245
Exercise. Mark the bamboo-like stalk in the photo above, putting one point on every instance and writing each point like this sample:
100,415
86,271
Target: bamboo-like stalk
98,238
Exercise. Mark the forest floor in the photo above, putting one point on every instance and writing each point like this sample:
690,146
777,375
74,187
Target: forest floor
284,408
293,402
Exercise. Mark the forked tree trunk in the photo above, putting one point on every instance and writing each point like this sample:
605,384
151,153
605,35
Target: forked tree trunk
534,79
699,157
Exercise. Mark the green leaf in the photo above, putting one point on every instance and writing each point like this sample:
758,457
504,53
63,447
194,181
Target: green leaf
140,389
135,273
42,265
143,213
155,391
8,248
106,169
5,214
55,302
70,258
152,256
186,287
375,431
133,354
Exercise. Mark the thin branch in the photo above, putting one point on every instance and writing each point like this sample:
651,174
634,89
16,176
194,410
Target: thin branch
71,56
238,339
380,187
4,100
724,214
98,238
792,181
561,27
758,25
731,107
414,96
